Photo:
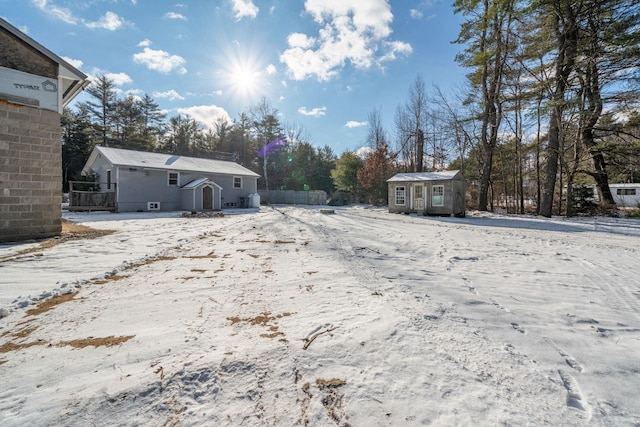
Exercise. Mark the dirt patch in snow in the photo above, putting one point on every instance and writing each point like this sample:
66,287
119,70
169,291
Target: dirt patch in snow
47,305
109,341
70,231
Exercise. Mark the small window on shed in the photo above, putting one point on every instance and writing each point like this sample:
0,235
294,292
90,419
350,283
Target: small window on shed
109,179
401,195
237,182
626,191
173,178
437,195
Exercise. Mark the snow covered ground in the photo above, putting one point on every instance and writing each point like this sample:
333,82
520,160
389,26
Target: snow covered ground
289,316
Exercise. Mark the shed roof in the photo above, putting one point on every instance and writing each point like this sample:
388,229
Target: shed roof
169,162
424,176
73,80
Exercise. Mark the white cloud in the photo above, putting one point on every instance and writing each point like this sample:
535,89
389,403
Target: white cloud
394,48
22,28
161,61
271,69
170,94
174,15
144,43
206,115
363,152
119,79
110,21
416,14
354,124
134,93
244,8
74,62
57,12
356,32
315,112
300,40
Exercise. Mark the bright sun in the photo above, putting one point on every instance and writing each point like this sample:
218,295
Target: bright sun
245,81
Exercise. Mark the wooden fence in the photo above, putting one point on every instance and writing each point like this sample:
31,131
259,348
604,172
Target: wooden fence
82,198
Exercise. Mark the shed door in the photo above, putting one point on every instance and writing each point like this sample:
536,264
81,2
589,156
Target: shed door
418,197
207,198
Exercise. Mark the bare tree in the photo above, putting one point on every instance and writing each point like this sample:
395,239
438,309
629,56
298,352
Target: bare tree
411,120
376,135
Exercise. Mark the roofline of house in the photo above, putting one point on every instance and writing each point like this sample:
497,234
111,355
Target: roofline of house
97,149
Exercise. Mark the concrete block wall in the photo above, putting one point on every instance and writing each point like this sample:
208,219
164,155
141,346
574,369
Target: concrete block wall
30,173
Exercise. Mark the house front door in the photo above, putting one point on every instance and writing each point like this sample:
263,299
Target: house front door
418,197
207,198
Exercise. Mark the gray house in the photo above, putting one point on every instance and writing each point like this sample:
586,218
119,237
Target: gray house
131,181
428,193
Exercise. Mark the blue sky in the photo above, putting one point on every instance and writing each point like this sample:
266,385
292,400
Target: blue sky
323,64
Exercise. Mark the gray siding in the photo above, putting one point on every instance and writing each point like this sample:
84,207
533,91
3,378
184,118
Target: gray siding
453,203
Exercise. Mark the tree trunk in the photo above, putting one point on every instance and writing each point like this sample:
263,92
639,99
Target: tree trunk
485,179
553,146
566,30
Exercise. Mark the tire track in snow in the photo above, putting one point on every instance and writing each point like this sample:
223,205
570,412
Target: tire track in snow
615,282
436,327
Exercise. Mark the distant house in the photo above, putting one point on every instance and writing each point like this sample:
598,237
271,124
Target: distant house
428,193
626,195
134,181
35,86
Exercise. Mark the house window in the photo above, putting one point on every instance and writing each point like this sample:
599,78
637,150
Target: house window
237,182
626,191
400,196
109,179
173,178
437,195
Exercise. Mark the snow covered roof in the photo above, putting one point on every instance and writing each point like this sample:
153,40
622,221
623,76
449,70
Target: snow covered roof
146,160
197,182
625,185
424,176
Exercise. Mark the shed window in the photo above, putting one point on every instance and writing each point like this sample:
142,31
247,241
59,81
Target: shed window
400,195
109,179
626,191
237,182
173,178
437,195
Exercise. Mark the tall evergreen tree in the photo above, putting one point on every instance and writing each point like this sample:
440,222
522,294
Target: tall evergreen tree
345,173
152,121
77,143
103,108
486,35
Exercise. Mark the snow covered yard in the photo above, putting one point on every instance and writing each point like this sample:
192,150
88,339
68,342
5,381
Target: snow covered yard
288,316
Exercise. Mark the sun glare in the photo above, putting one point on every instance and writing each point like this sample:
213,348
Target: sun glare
242,75
245,81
